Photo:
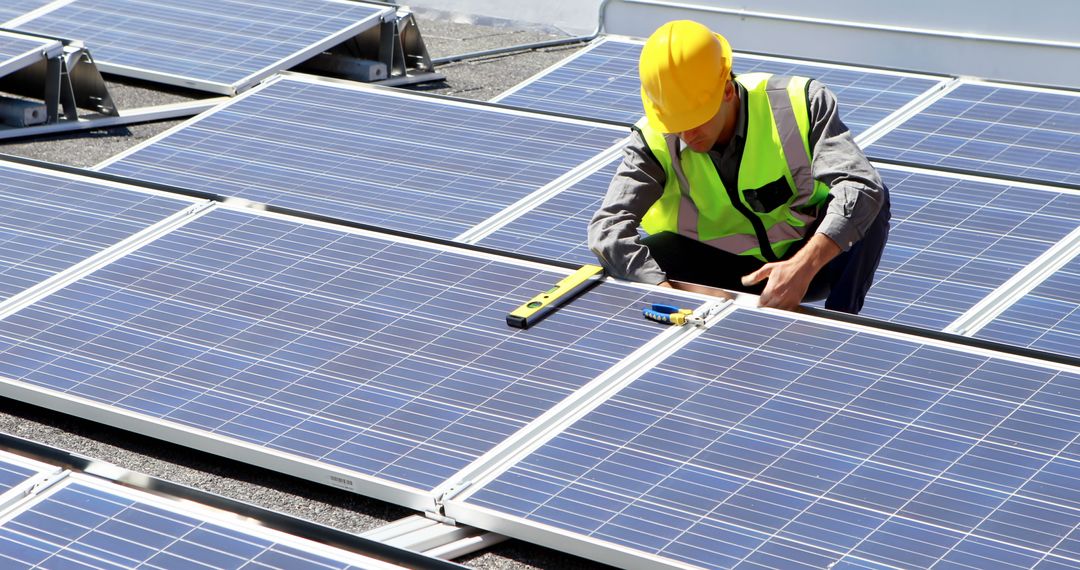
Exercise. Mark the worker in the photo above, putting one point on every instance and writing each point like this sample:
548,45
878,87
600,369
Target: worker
748,182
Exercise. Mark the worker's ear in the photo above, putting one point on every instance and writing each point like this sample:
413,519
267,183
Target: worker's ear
729,90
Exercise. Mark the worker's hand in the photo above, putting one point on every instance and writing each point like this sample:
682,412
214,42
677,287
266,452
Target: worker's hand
664,284
787,285
789,279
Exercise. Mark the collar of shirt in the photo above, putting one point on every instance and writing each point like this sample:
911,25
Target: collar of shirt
726,158
739,136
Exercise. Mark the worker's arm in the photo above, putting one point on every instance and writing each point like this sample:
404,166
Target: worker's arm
613,231
856,196
855,187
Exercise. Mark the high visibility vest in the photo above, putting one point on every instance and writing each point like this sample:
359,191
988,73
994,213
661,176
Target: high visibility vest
777,197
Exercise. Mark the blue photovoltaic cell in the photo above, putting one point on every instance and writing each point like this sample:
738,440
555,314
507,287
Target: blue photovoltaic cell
217,41
1047,318
995,130
400,162
86,527
49,223
389,359
602,83
14,8
858,451
556,229
953,241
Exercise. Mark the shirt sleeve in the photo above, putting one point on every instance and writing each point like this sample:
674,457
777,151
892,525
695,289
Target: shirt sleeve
613,231
855,186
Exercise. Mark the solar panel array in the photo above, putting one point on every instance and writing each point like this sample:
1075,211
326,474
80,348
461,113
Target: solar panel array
953,241
864,452
993,129
216,45
385,359
83,523
601,82
49,222
765,441
371,156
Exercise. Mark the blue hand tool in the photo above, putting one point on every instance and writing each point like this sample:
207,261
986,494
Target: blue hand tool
670,314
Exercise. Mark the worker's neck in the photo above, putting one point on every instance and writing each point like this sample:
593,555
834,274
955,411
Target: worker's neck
730,120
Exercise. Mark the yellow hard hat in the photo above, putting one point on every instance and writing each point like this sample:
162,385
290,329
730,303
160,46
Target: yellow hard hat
684,67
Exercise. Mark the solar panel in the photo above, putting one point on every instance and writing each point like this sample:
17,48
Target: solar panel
50,222
601,82
557,228
222,46
954,240
83,523
368,356
18,51
855,450
1047,318
993,129
374,156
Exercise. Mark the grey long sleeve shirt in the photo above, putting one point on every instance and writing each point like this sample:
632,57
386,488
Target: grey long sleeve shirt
855,187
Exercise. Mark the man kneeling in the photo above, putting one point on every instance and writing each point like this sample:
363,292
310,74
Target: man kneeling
750,183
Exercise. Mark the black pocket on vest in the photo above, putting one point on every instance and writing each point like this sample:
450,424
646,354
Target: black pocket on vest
770,196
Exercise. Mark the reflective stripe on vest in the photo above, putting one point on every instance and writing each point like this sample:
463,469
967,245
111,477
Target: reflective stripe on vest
695,202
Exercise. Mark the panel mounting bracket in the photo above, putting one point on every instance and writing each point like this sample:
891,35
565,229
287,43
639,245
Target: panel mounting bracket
62,81
391,53
434,536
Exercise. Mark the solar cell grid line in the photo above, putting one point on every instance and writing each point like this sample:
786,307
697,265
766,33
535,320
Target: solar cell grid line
18,50
51,222
1047,318
862,450
380,366
602,82
994,129
222,46
374,156
82,522
954,239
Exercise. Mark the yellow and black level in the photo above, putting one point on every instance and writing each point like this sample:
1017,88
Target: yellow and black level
541,305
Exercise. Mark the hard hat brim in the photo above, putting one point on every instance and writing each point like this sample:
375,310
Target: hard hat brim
684,121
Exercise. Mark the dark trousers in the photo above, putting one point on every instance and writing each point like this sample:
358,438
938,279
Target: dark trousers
843,282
